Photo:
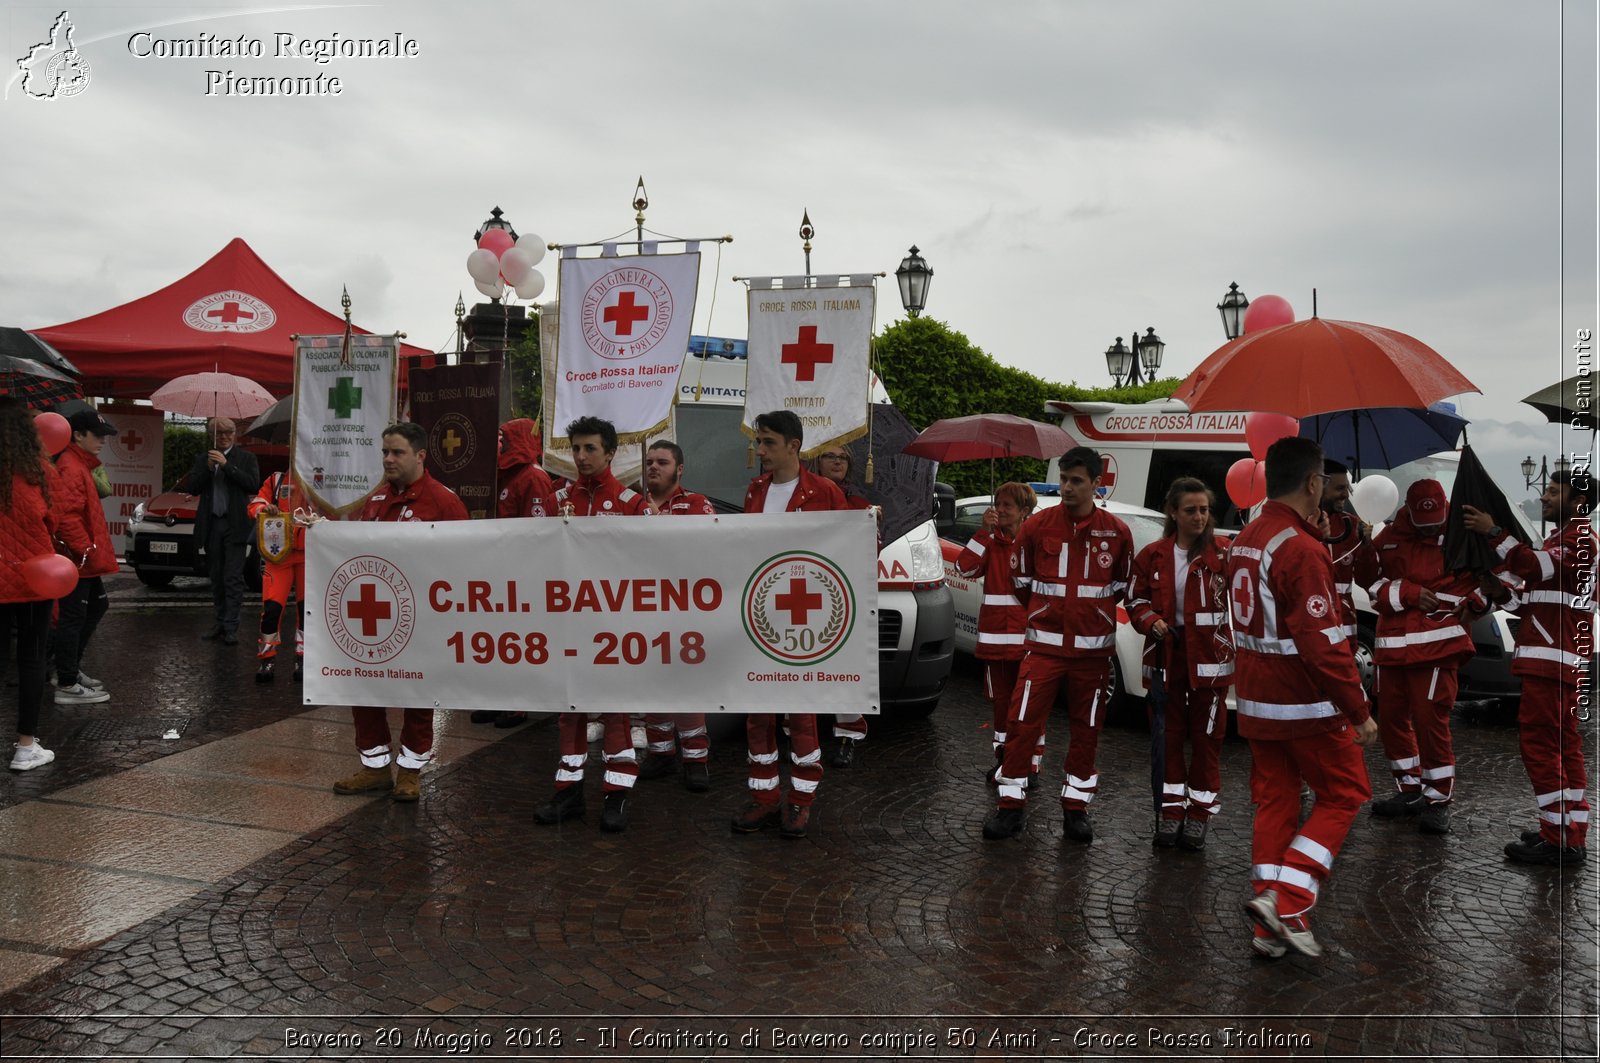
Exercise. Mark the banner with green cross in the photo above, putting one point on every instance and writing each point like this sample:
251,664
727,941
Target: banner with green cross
342,403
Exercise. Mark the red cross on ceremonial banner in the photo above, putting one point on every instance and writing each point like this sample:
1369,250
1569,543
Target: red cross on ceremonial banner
130,439
624,313
797,601
367,609
230,313
805,354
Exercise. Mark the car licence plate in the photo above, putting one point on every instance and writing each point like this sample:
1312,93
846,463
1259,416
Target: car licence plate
159,547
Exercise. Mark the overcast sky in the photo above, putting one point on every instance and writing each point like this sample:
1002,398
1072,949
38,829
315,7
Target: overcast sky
1071,170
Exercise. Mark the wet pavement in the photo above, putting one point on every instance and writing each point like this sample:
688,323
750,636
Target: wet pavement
208,896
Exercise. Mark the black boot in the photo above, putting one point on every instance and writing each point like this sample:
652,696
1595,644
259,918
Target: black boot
614,819
264,671
566,804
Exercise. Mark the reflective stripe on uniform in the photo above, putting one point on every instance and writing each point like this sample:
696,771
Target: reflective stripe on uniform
1000,599
1279,647
1265,710
1419,638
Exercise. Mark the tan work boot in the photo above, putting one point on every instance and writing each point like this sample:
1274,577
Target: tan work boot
407,784
367,780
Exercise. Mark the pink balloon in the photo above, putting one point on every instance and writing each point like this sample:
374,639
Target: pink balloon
1267,311
50,575
54,432
1247,482
496,241
1261,430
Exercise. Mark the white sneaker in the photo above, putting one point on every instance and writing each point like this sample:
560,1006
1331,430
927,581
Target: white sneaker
26,758
85,679
597,731
641,740
78,694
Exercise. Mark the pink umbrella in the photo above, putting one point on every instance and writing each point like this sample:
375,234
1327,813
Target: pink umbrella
990,435
213,395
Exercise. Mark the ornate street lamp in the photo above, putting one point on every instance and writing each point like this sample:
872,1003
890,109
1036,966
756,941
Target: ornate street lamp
1232,310
495,221
914,277
1119,361
1124,364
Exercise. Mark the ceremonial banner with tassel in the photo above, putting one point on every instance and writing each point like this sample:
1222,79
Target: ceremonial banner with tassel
344,397
457,404
624,329
810,338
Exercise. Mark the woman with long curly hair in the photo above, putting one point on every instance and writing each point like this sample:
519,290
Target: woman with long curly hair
26,530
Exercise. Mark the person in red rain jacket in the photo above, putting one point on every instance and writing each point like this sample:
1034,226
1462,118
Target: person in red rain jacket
1070,567
1179,602
1001,619
1301,705
784,486
663,480
409,494
27,531
597,493
81,525
281,494
837,465
1555,643
1424,612
525,488
1350,544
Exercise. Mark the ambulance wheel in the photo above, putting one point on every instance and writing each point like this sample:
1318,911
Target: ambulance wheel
1366,663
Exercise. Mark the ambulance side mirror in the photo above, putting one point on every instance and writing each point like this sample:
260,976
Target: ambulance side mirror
944,508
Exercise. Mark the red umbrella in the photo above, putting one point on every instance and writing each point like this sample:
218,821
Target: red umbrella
1318,366
990,435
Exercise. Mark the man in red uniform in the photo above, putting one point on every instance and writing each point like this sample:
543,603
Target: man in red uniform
597,493
784,486
410,494
280,495
81,525
1071,566
1299,695
1350,544
1555,643
1424,611
663,479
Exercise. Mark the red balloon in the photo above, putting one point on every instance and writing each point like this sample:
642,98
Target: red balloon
50,575
1267,311
1247,482
54,432
1261,430
496,241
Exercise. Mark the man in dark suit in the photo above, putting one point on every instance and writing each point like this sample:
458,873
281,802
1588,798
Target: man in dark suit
224,478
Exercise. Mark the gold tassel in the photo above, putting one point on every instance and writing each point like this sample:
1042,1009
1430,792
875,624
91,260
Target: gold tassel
869,469
750,456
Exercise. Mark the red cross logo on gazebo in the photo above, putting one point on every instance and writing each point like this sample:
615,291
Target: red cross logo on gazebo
231,313
805,354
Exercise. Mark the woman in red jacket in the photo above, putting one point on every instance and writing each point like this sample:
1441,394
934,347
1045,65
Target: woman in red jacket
81,526
1002,620
1178,603
26,530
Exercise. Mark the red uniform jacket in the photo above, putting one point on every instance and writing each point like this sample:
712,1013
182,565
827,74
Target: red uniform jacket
27,528
525,489
1153,595
682,501
1295,675
813,494
1070,577
282,490
1409,559
1557,615
80,519
601,496
1002,621
1354,562
425,500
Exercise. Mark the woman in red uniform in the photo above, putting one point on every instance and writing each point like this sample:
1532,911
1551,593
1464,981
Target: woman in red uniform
27,530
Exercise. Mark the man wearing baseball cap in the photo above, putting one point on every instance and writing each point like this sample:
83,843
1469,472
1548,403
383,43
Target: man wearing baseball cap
1424,612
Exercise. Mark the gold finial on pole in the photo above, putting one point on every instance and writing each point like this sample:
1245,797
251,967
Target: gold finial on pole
807,231
641,202
344,301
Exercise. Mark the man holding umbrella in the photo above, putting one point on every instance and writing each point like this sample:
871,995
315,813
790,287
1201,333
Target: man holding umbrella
1555,643
225,478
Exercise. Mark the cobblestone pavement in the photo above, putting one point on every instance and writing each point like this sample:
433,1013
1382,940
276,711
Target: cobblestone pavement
893,930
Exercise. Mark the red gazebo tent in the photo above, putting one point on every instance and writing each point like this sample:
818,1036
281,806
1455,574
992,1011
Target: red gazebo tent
233,313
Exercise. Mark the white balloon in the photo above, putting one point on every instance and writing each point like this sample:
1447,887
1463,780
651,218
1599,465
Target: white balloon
531,285
1375,498
493,290
515,266
483,265
533,244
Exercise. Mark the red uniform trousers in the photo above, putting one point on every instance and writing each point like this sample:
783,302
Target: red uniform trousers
691,737
1552,752
277,580
1197,716
373,736
1414,725
1296,863
805,769
622,765
853,727
1000,684
1040,676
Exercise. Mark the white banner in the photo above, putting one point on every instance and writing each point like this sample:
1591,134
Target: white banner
624,332
808,354
340,411
133,463
739,613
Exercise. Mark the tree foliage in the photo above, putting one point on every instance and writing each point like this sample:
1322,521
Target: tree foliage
180,446
527,373
933,372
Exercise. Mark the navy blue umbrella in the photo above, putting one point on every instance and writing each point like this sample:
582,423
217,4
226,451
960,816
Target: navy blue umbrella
1386,436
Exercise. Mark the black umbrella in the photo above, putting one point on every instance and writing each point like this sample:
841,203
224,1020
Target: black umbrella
901,484
1466,551
35,383
272,424
19,343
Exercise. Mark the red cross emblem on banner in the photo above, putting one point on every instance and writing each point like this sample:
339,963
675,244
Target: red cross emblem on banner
805,354
798,601
624,312
368,609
